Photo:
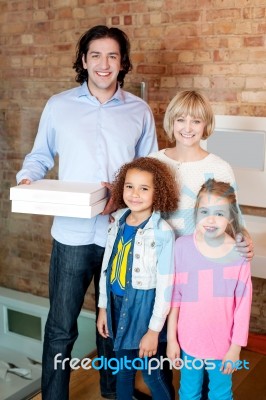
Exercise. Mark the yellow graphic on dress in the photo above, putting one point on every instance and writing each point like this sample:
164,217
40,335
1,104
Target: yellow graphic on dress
119,265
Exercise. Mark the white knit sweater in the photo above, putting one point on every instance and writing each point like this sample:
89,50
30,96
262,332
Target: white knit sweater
190,176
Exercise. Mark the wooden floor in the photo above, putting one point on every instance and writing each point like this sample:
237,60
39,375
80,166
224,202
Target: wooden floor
247,384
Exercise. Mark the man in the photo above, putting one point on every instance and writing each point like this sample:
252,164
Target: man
94,129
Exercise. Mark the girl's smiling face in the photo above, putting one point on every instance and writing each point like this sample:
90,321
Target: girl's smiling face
139,191
213,215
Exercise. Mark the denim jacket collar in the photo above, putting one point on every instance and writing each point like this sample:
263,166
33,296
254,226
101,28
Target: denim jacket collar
121,215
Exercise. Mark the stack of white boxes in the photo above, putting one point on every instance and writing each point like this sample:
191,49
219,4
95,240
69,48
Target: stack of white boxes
53,197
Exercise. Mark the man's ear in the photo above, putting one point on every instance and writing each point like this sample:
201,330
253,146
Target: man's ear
84,63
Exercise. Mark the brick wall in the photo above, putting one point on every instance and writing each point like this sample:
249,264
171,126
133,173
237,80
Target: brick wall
213,45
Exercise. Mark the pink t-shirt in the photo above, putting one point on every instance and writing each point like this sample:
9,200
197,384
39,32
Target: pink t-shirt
214,296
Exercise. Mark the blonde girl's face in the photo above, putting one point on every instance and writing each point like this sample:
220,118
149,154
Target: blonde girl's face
213,215
188,130
139,191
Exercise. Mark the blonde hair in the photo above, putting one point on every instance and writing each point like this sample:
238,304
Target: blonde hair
189,102
226,191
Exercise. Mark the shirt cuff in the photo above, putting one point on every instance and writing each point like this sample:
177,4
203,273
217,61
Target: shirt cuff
102,303
156,324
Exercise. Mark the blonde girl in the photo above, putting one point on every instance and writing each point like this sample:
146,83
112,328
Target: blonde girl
209,319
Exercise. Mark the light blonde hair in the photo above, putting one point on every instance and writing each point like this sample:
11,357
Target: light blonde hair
189,102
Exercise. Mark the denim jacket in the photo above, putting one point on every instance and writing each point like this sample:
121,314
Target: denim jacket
151,267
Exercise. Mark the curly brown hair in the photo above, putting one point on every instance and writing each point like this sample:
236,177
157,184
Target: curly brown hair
166,194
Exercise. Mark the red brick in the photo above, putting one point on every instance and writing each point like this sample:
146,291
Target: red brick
122,8
127,20
254,41
189,16
151,69
225,27
223,14
116,20
254,12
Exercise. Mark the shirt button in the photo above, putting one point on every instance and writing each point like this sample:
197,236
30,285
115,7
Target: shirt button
136,269
126,299
152,244
127,282
139,283
139,243
121,328
124,314
137,256
140,232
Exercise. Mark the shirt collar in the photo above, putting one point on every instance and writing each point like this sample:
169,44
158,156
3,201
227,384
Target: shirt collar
121,215
83,90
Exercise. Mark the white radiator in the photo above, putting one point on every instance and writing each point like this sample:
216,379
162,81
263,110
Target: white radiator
241,141
22,321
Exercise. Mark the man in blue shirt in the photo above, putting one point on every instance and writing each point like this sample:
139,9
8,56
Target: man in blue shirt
94,129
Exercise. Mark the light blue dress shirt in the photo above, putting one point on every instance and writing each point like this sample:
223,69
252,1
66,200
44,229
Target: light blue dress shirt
92,141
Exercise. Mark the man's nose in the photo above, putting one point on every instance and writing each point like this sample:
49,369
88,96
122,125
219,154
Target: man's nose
104,62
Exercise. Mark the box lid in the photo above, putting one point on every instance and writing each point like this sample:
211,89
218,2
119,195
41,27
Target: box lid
55,191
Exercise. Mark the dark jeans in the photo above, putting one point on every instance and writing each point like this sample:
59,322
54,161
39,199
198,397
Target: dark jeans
125,378
71,272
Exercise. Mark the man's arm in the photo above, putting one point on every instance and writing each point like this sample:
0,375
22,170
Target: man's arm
148,140
41,158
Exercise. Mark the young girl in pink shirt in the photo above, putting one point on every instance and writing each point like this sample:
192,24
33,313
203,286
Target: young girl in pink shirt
209,318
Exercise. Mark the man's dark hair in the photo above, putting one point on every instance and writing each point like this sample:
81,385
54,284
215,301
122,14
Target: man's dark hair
101,32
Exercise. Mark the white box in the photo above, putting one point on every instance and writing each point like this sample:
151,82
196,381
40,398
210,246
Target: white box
53,197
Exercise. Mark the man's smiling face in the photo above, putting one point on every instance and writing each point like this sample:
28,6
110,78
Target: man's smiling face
103,63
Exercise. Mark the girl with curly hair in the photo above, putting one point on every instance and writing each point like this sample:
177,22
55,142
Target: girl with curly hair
137,272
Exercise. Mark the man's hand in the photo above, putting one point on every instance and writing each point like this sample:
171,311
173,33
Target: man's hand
244,246
25,182
110,206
